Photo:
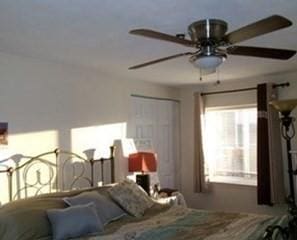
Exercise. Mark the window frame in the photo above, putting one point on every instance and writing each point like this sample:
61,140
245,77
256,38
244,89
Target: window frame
230,179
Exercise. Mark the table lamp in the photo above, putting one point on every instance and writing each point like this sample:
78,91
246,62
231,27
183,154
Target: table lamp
143,162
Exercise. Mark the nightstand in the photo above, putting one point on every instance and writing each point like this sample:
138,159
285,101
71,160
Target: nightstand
176,199
168,200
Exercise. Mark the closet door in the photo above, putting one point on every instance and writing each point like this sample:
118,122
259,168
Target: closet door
154,126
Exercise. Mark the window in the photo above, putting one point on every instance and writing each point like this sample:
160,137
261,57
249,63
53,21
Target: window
230,139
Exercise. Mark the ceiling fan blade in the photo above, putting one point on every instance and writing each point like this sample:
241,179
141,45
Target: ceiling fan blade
162,36
258,28
160,60
281,54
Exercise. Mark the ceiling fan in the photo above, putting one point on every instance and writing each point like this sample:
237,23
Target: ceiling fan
213,44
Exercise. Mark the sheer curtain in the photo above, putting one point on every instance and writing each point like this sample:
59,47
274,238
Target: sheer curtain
200,169
269,153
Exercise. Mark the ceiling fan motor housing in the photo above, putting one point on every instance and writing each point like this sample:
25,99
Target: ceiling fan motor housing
209,34
208,31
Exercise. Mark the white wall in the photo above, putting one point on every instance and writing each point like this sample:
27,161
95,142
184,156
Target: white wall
38,96
49,105
226,197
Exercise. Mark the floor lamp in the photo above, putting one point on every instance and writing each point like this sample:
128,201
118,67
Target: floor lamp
285,107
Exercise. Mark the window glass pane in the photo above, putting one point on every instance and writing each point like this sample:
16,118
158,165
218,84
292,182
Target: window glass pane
230,137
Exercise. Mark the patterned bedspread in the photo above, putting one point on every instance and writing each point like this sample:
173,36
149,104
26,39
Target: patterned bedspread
179,223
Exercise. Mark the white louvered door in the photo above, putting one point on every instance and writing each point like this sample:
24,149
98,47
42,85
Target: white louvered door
154,126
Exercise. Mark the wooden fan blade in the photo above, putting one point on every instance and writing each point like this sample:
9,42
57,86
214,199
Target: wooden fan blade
258,28
281,54
161,60
162,36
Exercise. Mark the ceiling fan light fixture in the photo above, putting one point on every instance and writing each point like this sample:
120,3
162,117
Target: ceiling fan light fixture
208,62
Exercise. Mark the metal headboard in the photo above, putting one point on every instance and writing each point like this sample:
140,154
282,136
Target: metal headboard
54,171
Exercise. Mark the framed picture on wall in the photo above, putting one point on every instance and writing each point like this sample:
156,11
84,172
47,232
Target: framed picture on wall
3,133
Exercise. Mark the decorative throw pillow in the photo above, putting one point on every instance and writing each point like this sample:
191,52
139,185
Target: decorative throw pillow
106,209
139,191
134,200
74,221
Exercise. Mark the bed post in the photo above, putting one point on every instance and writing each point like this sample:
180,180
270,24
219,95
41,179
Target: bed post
59,185
9,174
112,149
92,161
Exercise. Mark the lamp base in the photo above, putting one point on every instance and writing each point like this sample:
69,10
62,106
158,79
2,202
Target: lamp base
143,180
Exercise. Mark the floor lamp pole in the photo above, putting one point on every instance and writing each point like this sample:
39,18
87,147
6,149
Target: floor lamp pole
285,107
288,132
287,124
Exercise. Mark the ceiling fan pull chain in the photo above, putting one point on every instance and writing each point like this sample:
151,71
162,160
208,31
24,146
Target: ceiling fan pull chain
218,76
200,71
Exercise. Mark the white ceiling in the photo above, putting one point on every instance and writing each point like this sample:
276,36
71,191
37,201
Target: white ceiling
94,33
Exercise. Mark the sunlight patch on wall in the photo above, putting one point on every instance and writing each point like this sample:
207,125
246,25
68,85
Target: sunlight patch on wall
28,144
97,137
33,143
124,147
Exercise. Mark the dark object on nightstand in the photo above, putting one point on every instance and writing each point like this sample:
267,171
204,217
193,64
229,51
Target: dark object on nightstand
167,191
143,180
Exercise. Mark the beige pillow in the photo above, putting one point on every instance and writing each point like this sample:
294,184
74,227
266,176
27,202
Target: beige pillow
131,197
139,191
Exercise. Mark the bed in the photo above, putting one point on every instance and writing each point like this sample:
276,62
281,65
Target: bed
118,211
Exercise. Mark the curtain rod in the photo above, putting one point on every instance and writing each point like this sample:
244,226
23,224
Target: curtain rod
155,98
287,84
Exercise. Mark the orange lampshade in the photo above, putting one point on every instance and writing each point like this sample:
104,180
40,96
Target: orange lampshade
142,162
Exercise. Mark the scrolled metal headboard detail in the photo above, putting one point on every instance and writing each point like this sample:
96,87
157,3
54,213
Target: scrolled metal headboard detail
54,171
